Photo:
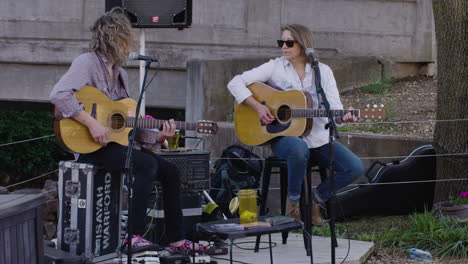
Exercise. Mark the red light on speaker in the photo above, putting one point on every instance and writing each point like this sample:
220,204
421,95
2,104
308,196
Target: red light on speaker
155,19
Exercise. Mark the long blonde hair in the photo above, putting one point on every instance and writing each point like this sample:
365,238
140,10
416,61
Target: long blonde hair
302,35
112,36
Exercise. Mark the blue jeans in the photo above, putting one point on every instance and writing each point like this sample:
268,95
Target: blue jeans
294,150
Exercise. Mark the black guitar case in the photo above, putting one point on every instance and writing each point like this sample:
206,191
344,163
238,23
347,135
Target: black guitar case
404,198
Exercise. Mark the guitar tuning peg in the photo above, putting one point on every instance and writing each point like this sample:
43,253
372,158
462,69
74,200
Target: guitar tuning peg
381,106
368,106
375,106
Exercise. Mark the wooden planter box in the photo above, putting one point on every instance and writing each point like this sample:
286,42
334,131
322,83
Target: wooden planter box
21,237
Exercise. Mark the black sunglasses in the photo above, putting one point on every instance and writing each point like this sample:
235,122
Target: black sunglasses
289,43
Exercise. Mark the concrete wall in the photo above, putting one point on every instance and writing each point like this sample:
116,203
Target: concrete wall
39,39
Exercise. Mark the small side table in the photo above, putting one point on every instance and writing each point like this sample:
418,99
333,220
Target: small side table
207,228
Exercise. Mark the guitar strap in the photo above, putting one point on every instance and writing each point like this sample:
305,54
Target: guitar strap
318,86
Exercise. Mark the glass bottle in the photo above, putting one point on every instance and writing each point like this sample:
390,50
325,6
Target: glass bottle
248,206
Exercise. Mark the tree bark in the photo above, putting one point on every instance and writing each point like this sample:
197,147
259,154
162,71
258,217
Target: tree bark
451,27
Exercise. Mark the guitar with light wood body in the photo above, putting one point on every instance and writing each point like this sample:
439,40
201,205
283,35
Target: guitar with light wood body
76,138
293,112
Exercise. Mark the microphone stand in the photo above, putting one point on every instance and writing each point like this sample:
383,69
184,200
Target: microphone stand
128,168
333,133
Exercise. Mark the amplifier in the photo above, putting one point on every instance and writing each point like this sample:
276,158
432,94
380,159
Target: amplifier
194,169
89,210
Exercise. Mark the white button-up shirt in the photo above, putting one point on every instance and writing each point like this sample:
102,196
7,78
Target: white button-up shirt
279,73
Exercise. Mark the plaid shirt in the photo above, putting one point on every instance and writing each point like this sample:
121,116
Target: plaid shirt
90,69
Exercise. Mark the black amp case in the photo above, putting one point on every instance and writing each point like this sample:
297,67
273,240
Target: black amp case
194,169
390,199
89,210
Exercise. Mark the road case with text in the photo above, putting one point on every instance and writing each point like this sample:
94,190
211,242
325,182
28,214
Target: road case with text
89,210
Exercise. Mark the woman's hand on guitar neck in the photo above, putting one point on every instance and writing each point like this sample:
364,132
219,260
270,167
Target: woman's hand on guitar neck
167,131
349,117
262,110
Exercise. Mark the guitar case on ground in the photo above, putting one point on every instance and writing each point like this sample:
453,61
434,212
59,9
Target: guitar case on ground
400,198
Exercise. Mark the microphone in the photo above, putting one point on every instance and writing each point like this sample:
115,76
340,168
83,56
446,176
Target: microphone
135,56
310,53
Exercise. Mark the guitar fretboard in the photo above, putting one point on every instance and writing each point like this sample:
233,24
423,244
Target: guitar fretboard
308,113
157,123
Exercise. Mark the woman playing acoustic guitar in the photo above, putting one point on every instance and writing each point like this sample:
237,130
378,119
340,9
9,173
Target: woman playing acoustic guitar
293,71
112,41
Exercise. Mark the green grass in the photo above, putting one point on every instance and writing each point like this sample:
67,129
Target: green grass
444,237
379,87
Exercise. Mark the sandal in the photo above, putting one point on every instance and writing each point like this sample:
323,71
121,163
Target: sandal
187,246
140,244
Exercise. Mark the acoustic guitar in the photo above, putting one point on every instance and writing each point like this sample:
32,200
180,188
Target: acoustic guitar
293,112
75,137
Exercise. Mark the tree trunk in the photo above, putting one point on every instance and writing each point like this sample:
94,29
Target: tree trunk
451,27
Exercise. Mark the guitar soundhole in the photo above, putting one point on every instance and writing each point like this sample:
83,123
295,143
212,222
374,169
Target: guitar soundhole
117,121
284,113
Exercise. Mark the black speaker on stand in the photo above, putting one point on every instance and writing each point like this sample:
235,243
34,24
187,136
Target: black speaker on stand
159,13
111,4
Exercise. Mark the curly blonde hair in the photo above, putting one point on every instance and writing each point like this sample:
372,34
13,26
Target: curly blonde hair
301,34
112,36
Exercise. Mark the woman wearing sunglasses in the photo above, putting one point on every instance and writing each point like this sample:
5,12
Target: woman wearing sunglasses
293,71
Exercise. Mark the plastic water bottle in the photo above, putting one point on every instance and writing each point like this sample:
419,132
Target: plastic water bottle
419,254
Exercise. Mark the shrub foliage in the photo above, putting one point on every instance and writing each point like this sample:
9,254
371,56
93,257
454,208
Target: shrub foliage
22,161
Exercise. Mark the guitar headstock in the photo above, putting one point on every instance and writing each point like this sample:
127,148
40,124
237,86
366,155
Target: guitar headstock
373,112
207,127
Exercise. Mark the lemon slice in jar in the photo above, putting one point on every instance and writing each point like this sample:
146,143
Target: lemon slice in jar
234,205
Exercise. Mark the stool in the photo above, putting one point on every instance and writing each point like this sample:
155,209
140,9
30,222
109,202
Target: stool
275,162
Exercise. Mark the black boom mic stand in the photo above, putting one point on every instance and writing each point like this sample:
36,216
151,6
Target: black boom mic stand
332,133
128,168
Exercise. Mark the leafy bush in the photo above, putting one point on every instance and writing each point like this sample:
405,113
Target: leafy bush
22,161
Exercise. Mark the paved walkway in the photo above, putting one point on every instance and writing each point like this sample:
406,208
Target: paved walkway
294,253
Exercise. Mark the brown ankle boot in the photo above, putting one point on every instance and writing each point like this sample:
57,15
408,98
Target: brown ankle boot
292,210
317,219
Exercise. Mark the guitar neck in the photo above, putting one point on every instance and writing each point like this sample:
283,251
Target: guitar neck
310,113
157,123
